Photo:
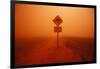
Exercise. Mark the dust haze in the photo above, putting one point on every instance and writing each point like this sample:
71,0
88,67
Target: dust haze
36,41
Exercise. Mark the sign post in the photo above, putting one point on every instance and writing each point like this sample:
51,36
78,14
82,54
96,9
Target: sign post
57,39
57,20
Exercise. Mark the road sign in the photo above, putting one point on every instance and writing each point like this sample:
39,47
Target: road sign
57,29
57,20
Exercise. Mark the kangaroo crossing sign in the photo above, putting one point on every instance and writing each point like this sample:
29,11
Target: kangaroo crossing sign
57,20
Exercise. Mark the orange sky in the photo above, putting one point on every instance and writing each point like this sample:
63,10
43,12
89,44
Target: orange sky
36,21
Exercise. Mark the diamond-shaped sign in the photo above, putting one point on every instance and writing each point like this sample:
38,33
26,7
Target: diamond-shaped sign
57,20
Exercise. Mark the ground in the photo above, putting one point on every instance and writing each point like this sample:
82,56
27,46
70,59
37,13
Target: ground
45,50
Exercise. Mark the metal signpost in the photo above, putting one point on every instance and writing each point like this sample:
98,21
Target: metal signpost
57,20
